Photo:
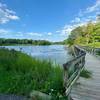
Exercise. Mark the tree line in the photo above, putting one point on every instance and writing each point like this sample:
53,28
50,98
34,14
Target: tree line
4,41
86,34
23,41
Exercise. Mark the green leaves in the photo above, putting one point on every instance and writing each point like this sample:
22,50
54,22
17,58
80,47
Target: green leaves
85,34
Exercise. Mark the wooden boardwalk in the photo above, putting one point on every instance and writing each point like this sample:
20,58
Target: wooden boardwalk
89,89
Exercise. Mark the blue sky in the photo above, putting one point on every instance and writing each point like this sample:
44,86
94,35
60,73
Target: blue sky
44,19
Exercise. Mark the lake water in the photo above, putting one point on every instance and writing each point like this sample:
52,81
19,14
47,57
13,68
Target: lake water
56,53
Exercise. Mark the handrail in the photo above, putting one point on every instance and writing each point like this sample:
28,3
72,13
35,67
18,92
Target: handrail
73,68
92,50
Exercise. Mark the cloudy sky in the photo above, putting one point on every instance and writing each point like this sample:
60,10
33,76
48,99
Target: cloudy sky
44,19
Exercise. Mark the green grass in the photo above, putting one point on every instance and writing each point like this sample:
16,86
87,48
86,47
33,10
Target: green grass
20,74
86,74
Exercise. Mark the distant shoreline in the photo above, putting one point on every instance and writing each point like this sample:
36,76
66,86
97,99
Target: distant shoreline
28,44
8,42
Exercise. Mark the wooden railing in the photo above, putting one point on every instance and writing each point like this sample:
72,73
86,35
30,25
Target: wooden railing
72,70
91,50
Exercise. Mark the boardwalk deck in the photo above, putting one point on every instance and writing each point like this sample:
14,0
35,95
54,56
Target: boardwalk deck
89,89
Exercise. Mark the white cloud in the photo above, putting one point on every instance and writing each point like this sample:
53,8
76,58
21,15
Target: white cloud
95,7
11,34
6,14
19,35
13,17
91,9
49,33
57,31
67,29
77,19
3,31
34,34
19,32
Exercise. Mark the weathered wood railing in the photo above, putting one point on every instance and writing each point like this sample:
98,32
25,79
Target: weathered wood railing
72,70
91,50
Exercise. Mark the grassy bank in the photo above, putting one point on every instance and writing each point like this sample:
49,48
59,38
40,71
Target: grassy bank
20,74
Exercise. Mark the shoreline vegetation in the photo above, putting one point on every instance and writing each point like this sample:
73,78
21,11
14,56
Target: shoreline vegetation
20,74
7,42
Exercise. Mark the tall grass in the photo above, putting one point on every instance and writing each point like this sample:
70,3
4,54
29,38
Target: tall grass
20,74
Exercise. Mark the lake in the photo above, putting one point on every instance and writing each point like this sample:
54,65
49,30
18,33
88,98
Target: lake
56,53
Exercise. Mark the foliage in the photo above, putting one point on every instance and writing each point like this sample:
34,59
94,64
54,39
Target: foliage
86,34
23,41
20,74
